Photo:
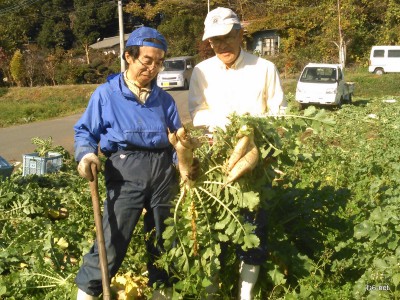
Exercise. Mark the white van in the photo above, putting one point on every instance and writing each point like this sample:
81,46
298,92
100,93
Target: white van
177,72
384,59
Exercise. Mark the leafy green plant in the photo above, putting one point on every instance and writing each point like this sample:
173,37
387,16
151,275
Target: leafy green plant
209,214
43,146
40,252
331,192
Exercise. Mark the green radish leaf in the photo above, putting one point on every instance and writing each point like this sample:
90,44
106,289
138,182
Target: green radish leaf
251,200
363,229
396,279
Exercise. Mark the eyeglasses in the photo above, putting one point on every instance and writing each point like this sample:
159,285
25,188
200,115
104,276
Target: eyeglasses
226,39
152,66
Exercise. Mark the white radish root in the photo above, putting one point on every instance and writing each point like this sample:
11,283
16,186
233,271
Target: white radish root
244,157
238,151
246,164
184,146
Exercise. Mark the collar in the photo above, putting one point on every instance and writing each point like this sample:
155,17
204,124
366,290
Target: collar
146,88
141,93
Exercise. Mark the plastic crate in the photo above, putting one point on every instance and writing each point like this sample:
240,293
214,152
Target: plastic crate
34,164
5,168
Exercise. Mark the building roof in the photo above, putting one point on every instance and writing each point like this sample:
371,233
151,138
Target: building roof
108,42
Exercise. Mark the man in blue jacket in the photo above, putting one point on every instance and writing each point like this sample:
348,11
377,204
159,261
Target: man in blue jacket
128,118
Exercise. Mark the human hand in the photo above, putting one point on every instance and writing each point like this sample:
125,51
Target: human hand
84,166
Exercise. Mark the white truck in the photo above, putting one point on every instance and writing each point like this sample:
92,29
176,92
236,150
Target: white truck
323,84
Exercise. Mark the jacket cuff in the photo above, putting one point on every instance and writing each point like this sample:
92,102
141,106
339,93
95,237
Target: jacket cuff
82,151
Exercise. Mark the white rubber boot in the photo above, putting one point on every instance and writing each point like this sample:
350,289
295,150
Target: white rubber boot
247,280
83,296
162,294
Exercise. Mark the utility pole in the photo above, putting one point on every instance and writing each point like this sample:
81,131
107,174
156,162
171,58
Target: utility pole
121,35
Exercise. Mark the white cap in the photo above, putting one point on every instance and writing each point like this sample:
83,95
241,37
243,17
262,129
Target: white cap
220,21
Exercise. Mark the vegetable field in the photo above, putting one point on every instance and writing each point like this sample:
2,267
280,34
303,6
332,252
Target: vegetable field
328,179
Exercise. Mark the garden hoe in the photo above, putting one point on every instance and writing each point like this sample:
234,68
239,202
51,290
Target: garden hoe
94,190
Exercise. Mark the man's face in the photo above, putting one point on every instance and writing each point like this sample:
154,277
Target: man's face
146,67
227,47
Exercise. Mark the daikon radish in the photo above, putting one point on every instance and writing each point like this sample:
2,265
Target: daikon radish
246,164
245,135
238,151
184,146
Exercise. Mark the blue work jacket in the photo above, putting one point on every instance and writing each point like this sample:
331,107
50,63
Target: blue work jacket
116,120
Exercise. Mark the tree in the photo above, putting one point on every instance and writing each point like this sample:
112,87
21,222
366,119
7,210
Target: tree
51,62
342,44
55,31
92,20
182,34
34,65
391,28
18,23
17,68
308,29
4,66
175,20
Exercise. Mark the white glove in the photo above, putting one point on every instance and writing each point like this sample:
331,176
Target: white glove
85,165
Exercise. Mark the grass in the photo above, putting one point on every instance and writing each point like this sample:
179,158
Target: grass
20,105
28,104
368,85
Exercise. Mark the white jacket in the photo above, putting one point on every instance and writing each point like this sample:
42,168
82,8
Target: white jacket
251,85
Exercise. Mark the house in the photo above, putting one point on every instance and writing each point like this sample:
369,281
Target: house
264,42
109,45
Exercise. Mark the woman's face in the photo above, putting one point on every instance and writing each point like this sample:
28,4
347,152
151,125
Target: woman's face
145,68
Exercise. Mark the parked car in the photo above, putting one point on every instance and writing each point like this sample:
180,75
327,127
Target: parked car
323,84
177,72
384,59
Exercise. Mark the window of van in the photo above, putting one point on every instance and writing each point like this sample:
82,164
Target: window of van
379,53
394,53
174,65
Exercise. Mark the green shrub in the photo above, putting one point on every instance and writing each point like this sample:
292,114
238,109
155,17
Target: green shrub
17,68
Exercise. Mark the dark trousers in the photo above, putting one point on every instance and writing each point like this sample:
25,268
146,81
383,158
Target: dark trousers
258,255
135,180
253,256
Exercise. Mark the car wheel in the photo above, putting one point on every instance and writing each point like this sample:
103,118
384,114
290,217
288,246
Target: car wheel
379,71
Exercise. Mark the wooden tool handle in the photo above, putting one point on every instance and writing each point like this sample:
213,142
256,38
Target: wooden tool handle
94,190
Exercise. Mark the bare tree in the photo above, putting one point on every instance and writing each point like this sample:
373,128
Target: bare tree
33,62
342,44
50,65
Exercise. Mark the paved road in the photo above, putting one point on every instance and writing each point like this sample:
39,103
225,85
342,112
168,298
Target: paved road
16,140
